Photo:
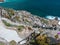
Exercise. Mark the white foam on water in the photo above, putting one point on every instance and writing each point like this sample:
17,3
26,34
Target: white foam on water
50,17
58,18
1,2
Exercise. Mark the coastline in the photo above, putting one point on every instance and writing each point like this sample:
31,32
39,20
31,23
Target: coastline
30,23
52,17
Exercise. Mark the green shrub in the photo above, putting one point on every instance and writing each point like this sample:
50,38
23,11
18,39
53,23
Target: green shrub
20,28
12,42
7,24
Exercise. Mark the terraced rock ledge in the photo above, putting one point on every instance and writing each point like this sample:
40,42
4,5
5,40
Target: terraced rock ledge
22,27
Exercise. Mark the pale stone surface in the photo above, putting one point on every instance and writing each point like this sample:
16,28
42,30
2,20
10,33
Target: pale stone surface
1,0
8,34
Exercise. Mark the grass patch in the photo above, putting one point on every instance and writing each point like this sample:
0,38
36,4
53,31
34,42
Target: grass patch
1,43
6,23
20,28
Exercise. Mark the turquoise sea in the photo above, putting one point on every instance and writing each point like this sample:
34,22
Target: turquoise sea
38,7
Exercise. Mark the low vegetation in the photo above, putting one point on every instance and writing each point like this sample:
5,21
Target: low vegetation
44,21
42,40
56,36
12,42
1,43
20,28
6,23
10,11
17,18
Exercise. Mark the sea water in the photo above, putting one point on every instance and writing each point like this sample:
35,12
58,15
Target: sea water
41,8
